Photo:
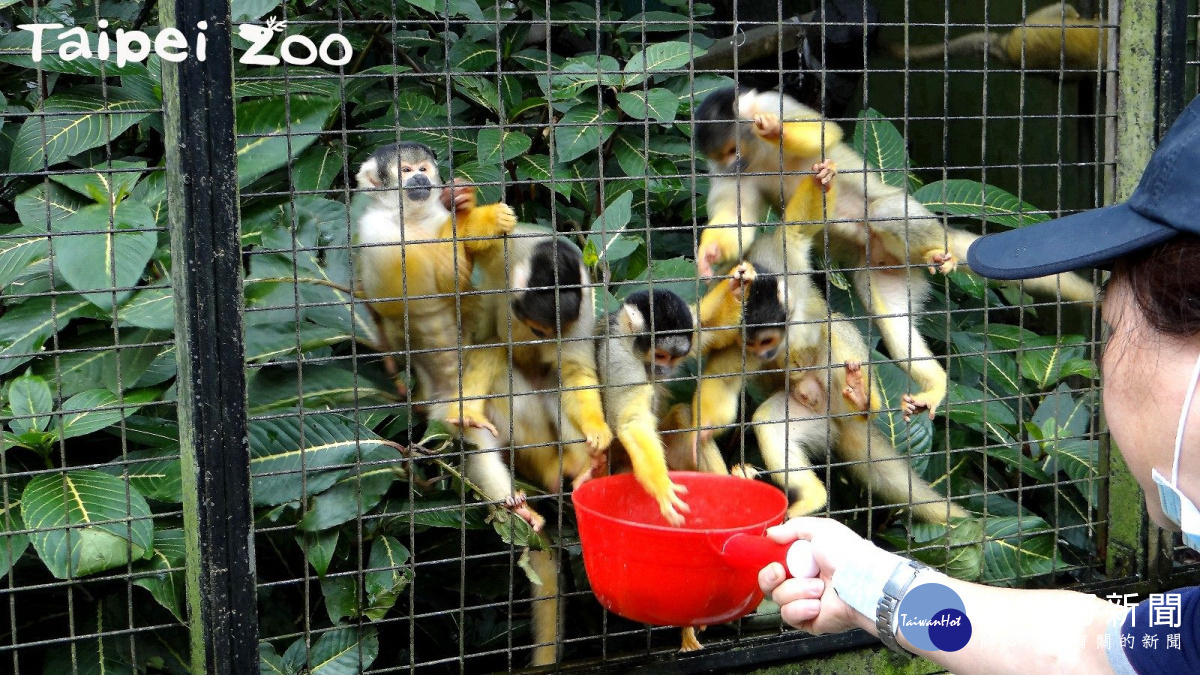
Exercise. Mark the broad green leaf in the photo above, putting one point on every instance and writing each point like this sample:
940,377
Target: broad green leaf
977,410
108,182
167,582
322,386
154,472
497,146
882,146
123,367
972,199
1079,458
242,11
291,459
582,129
18,252
673,274
285,80
26,327
42,207
535,169
578,74
344,651
79,118
341,593
317,167
659,57
1042,362
466,56
657,104
318,548
86,521
268,139
955,549
16,48
632,156
486,178
914,437
389,575
270,342
150,308
609,224
31,403
96,409
1016,549
270,662
357,493
1071,416
113,254
654,22
12,546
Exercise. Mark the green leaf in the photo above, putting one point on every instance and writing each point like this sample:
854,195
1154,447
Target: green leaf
322,387
341,593
150,308
269,661
955,549
111,259
12,546
242,11
43,206
972,199
1042,361
654,22
1071,416
582,129
17,253
154,472
79,118
24,328
497,146
85,521
914,437
357,493
136,351
536,169
286,80
977,410
486,178
31,403
317,167
16,48
609,224
291,458
1016,549
344,651
659,57
167,561
388,577
882,146
318,548
268,138
109,183
677,275
271,341
657,104
96,409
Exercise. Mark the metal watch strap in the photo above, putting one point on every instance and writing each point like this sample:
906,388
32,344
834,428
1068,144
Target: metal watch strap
885,613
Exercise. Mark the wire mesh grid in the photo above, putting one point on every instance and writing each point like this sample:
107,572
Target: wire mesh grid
381,543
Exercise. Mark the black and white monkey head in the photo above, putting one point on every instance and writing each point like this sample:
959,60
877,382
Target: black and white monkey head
765,314
662,326
406,166
553,280
723,129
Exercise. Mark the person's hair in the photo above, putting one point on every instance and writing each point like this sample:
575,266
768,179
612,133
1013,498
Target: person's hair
1165,283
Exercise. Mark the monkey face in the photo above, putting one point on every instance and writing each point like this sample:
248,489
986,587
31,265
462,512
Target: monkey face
669,351
410,167
764,342
419,179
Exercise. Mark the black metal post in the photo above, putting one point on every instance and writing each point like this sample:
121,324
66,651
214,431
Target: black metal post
207,278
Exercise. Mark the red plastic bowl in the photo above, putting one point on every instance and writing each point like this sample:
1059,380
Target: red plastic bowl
646,570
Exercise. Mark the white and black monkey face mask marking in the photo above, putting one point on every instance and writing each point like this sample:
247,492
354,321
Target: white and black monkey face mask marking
724,137
662,325
409,166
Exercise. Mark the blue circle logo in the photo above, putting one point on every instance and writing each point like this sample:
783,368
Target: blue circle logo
932,617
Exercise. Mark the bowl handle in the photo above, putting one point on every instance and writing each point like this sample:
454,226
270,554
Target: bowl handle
750,552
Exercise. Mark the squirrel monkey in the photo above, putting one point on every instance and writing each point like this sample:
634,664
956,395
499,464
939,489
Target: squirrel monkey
415,258
542,308
877,228
1051,38
641,343
804,353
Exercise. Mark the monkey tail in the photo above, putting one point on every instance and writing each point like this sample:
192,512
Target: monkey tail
1070,287
544,609
972,44
888,474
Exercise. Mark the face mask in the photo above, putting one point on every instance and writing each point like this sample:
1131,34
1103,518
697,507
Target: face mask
1176,505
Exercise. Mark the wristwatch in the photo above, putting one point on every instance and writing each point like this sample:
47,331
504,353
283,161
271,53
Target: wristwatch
895,588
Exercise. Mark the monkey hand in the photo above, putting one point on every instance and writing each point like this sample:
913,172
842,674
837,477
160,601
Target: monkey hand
855,392
472,419
825,171
940,260
741,278
597,434
911,404
768,126
458,197
669,503
506,218
717,243
518,505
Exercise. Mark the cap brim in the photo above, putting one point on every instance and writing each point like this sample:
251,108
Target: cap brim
1088,239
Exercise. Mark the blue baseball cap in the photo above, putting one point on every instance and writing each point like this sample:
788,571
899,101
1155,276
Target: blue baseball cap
1165,203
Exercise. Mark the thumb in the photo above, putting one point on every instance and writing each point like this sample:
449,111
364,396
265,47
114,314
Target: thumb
805,527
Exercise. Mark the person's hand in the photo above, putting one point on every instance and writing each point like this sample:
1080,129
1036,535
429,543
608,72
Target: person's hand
811,604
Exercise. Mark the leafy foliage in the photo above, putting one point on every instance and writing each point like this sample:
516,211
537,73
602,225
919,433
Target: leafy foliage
347,482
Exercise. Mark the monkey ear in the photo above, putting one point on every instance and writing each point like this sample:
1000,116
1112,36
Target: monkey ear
368,174
631,319
520,275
